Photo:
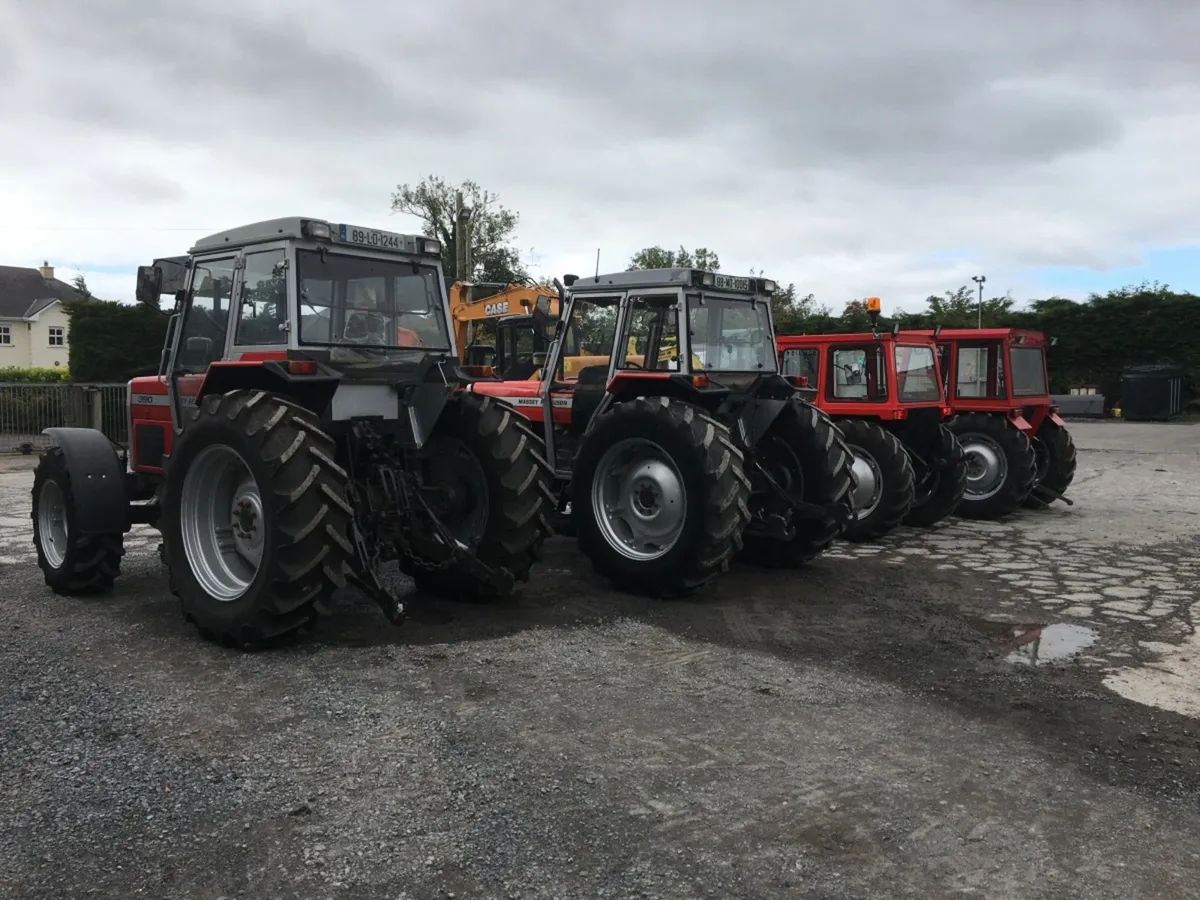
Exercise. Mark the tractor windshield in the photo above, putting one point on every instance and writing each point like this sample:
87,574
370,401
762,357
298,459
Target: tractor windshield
1028,371
728,335
916,374
369,303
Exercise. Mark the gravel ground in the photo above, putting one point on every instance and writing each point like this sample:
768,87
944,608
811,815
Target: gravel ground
902,720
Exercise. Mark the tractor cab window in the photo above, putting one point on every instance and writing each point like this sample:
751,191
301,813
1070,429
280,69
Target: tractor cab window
801,361
859,373
369,303
521,349
589,336
980,371
202,340
262,308
652,335
727,335
916,374
1028,371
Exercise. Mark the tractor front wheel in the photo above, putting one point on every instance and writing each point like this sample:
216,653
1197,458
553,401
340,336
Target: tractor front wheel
486,478
1054,455
1000,465
941,480
884,475
71,563
659,497
805,453
255,519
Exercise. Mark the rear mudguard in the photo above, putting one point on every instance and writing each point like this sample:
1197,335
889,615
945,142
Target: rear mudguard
97,480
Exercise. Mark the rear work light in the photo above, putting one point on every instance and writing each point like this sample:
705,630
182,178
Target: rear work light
433,248
319,231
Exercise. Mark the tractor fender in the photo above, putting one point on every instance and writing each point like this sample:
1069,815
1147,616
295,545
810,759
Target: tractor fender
1021,424
97,480
1054,417
756,416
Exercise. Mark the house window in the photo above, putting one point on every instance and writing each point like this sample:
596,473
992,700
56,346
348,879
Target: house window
56,337
5,335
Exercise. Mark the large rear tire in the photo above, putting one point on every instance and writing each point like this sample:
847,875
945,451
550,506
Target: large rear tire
941,481
884,475
500,497
659,497
71,563
1054,461
804,447
256,520
1000,465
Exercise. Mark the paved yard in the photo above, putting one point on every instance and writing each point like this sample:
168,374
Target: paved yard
984,710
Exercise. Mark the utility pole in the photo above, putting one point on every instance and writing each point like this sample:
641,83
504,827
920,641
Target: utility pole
979,280
462,239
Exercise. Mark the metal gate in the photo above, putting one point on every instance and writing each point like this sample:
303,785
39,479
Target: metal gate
27,409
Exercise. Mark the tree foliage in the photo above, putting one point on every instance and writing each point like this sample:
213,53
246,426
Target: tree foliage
659,258
492,226
35,375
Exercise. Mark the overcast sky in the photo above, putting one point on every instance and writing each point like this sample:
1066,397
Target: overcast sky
882,148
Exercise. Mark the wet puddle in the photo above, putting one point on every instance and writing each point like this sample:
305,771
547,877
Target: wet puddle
1036,644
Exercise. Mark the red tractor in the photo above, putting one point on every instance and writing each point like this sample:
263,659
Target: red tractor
309,421
1019,451
676,442
885,393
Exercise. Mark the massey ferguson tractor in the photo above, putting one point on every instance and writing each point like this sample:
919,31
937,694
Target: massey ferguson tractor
885,393
309,421
1019,452
677,443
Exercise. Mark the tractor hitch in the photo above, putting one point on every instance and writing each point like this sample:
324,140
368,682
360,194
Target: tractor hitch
1052,494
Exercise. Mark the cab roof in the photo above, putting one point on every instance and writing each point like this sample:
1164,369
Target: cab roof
862,337
1021,335
717,282
289,227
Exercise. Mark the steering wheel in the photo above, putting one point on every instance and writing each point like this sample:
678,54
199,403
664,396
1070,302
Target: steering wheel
630,364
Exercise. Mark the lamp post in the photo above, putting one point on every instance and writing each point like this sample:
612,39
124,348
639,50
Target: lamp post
979,280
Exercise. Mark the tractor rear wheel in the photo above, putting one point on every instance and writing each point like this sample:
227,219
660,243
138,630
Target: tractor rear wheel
804,452
255,519
1000,465
659,497
1054,454
941,480
884,476
71,563
490,486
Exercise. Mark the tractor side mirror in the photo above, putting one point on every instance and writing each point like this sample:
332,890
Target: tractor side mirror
149,286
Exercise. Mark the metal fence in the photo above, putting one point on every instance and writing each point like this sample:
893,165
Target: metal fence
27,409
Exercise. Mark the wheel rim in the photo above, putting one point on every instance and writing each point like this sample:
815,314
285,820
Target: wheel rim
52,523
457,489
987,466
869,478
222,521
1041,460
639,499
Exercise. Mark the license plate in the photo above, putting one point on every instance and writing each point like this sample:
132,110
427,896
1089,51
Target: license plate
731,283
369,237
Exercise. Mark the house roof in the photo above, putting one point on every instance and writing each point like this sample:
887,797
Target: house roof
24,292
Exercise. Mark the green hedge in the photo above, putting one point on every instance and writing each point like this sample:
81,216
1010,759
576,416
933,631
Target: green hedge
114,341
16,375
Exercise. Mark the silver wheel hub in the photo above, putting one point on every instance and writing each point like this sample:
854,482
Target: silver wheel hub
52,523
869,482
639,499
222,522
987,466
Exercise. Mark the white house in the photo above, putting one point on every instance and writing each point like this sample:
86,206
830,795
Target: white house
34,328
